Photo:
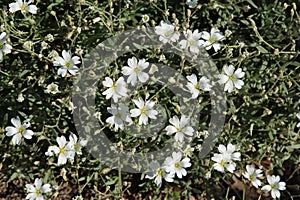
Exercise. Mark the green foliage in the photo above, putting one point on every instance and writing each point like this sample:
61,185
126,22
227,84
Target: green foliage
261,117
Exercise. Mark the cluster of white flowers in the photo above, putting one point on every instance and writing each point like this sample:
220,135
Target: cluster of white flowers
36,191
194,41
174,165
66,150
274,184
225,159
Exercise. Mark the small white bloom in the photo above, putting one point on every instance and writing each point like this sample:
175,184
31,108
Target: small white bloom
192,41
212,39
23,6
274,186
52,88
76,145
145,18
4,47
144,111
223,162
78,197
192,3
175,165
187,152
63,150
115,90
134,70
153,69
67,63
229,152
166,32
18,130
298,116
252,175
37,190
120,115
158,174
194,86
180,127
231,78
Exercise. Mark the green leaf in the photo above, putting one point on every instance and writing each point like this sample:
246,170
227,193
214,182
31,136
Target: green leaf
262,49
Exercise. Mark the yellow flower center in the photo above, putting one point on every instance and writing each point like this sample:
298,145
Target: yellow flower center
68,64
222,163
38,192
211,40
53,88
143,111
192,42
231,77
113,86
136,69
1,46
273,186
21,129
251,177
62,150
167,34
177,165
23,8
160,172
197,86
76,147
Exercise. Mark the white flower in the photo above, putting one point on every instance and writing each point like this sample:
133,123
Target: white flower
194,86
78,197
175,165
225,159
212,39
231,78
52,88
67,63
145,18
298,116
192,3
115,90
23,6
18,130
274,186
158,173
76,145
134,70
166,32
120,115
223,162
145,110
192,41
37,190
252,175
181,128
229,152
63,150
187,152
4,47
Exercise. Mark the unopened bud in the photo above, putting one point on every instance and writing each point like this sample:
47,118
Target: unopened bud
294,6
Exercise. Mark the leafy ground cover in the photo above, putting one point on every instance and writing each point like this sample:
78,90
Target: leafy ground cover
248,82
